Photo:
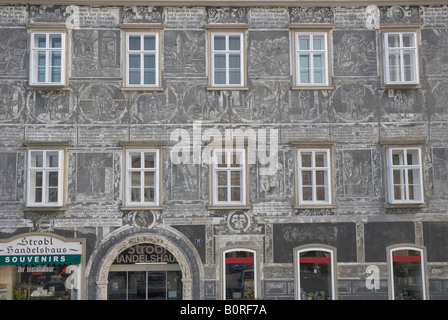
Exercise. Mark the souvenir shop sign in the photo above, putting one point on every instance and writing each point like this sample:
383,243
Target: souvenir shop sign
39,250
145,253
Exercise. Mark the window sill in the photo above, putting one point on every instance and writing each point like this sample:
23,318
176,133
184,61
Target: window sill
402,86
47,87
228,207
312,88
140,208
229,88
405,205
142,88
314,206
46,208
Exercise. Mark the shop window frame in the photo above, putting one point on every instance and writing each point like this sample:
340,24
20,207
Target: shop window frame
333,263
423,267
255,269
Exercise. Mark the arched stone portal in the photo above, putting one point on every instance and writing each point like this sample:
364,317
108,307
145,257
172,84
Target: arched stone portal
169,238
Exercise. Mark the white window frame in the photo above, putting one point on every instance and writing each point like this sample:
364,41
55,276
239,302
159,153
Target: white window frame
45,170
129,170
228,169
223,267
327,172
227,52
33,80
405,168
390,258
142,52
310,53
399,53
315,247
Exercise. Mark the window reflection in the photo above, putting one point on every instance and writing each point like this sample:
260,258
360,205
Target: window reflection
240,275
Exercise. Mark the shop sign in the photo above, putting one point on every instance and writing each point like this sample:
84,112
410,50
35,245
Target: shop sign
145,253
40,250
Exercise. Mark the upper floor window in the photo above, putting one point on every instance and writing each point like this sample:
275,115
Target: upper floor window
407,272
314,175
311,56
142,51
47,58
228,177
227,58
401,58
142,176
46,176
404,175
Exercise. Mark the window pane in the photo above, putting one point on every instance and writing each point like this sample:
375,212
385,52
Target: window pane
41,66
134,77
307,178
318,43
220,77
135,194
221,159
150,43
56,62
135,179
38,195
408,40
37,159
234,77
304,61
222,193
219,43
40,41
56,41
235,177
149,194
304,43
222,178
321,160
150,61
149,179
307,194
235,194
220,61
134,61
316,281
321,194
412,157
321,178
135,161
53,179
393,40
53,195
149,77
234,61
237,160
234,42
306,159
407,275
240,275
134,42
149,160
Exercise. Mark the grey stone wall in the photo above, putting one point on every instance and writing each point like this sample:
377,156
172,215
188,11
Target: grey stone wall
95,115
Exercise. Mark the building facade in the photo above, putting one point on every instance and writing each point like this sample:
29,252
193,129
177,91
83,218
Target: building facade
237,150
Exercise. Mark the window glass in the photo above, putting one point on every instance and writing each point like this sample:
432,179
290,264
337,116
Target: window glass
408,281
311,59
240,275
315,275
142,60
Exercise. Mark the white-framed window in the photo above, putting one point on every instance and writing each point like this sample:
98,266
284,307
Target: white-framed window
404,175
407,279
45,176
401,58
311,59
315,272
142,177
239,274
314,177
47,58
228,177
227,59
142,59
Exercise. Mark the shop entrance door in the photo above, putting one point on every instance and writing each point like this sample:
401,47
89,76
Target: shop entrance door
145,282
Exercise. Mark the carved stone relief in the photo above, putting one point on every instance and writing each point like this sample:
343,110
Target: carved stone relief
51,107
354,102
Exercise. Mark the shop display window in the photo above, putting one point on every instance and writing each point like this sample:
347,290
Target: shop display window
239,275
407,274
315,279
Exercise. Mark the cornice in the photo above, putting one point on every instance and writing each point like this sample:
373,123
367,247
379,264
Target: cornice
235,3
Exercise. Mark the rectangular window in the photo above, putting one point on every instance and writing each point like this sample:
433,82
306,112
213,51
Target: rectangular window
313,178
404,173
227,59
47,59
142,177
311,59
229,176
45,177
401,66
142,59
